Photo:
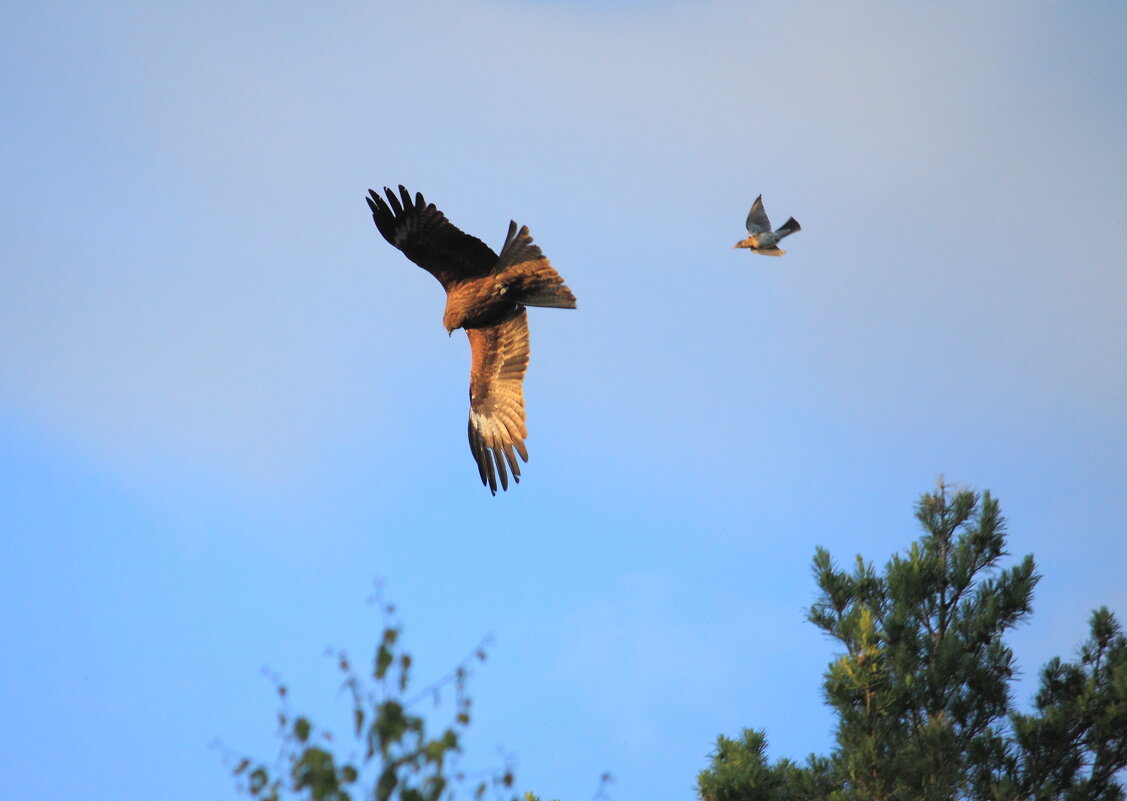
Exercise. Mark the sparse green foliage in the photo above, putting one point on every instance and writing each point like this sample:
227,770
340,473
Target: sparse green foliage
921,692
400,760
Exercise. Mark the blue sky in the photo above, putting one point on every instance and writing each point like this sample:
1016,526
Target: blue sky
227,406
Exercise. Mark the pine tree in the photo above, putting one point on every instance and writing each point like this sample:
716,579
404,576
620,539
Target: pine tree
921,692
1076,742
925,675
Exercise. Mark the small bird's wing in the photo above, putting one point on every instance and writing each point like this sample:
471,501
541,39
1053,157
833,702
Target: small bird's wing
757,222
496,428
427,238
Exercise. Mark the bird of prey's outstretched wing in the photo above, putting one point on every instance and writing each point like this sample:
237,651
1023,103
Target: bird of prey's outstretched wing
427,238
496,428
486,294
757,222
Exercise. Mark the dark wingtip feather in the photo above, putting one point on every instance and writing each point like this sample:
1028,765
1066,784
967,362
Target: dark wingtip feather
381,215
393,201
488,465
511,458
490,462
518,247
499,458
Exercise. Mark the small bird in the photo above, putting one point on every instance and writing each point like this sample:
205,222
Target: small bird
485,294
762,240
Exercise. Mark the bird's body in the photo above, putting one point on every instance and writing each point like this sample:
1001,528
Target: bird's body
761,239
486,294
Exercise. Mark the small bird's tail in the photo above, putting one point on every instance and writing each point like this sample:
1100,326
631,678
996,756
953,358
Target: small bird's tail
789,227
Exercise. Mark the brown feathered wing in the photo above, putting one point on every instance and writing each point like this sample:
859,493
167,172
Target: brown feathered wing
427,238
496,428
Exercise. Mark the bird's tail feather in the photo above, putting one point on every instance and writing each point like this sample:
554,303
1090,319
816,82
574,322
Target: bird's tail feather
555,300
538,284
789,227
525,275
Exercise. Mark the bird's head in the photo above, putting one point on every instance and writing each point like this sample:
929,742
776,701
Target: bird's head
450,321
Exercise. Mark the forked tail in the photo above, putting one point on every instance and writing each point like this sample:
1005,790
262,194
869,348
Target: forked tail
526,276
539,286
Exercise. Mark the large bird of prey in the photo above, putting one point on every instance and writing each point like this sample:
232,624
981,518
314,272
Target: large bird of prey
761,239
485,294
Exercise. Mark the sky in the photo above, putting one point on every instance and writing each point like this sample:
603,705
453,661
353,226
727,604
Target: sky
228,408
